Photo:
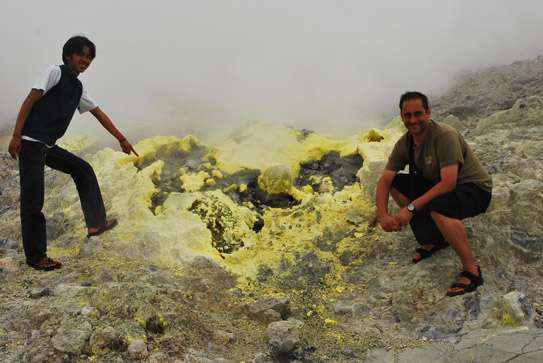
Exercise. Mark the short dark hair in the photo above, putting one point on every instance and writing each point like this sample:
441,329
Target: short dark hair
75,45
414,95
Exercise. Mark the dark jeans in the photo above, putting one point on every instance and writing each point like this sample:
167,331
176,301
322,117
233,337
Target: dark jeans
466,200
32,160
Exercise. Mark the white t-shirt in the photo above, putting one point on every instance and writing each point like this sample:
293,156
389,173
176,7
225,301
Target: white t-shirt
48,80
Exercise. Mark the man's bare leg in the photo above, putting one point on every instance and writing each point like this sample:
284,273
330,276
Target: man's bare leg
455,233
401,200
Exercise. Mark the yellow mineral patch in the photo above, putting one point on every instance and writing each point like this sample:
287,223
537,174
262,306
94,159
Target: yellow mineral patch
260,146
148,148
373,136
75,143
276,179
177,227
216,174
210,182
192,182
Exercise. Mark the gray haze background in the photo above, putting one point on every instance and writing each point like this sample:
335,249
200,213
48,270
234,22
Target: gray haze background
206,66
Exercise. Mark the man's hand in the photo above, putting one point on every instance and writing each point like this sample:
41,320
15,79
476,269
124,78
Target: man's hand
127,147
403,217
389,223
15,146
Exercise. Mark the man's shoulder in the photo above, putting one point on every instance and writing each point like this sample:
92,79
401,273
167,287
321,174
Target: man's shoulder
443,130
403,138
401,141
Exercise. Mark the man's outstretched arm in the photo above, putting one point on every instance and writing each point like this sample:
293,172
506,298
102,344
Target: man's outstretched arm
108,125
387,222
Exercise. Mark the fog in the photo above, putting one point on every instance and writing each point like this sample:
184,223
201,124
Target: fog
172,67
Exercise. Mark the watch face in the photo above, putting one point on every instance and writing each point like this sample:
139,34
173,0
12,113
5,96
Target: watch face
410,207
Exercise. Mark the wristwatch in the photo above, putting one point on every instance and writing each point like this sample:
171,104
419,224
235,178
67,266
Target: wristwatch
411,208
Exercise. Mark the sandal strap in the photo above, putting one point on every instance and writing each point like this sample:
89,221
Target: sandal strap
460,285
474,279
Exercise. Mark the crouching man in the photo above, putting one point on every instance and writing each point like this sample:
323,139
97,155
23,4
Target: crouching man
446,183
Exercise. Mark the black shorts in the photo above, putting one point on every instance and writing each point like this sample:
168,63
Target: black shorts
466,200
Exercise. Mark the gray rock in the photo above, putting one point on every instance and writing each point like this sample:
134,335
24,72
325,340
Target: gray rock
8,244
455,122
431,333
137,349
284,336
434,353
346,257
89,311
472,304
158,357
220,360
380,356
89,247
38,292
344,307
201,262
482,353
512,343
72,336
349,353
68,290
517,305
107,338
262,358
270,309
223,337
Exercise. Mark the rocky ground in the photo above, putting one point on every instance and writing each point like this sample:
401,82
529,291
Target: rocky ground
222,256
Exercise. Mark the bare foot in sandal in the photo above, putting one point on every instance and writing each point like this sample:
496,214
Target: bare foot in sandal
426,251
467,281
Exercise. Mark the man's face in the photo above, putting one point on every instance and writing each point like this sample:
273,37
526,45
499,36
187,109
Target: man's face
79,62
415,117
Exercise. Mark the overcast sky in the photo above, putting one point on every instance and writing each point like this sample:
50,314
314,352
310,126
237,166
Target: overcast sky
180,66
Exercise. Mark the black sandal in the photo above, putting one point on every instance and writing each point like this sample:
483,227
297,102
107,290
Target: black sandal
109,225
424,253
475,282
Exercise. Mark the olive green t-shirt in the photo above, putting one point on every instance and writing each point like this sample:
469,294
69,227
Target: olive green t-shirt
442,146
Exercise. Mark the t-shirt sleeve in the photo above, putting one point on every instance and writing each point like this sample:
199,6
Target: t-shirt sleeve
398,159
48,79
449,150
86,103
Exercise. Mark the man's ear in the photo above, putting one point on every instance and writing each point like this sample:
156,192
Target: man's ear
429,111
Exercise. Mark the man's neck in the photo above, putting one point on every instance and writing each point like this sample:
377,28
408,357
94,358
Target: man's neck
419,138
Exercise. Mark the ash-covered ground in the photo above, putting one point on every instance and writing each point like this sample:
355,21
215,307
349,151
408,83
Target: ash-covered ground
264,248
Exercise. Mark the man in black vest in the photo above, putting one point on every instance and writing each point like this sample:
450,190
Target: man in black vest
43,118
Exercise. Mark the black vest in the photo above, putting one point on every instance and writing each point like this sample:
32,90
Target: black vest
51,114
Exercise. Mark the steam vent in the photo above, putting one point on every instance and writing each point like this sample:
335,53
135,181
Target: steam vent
264,248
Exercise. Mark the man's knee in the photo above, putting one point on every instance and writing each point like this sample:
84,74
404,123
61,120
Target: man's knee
83,170
440,218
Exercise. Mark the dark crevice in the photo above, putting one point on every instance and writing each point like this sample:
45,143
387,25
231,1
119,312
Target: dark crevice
253,193
173,159
342,170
